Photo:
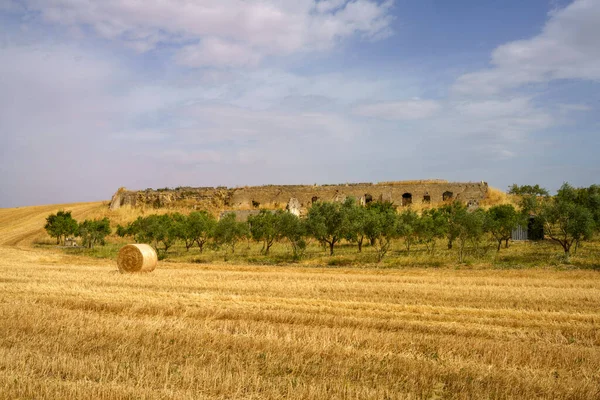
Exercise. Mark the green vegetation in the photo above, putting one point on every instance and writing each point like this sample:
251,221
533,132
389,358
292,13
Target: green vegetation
229,231
501,220
345,230
94,231
327,222
61,225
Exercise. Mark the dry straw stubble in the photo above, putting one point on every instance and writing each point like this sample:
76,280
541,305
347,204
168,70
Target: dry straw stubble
137,258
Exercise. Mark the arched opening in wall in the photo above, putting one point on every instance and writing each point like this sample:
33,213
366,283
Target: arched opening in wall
368,198
447,196
406,199
255,204
314,199
426,199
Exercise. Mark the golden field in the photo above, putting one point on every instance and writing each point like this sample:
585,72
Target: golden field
72,327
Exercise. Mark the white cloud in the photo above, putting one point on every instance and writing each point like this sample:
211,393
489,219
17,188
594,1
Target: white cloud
574,107
223,32
217,53
211,124
567,48
400,110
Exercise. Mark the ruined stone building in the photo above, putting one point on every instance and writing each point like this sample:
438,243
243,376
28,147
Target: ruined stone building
298,198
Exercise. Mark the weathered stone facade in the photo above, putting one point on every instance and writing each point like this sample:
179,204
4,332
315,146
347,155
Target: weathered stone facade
279,197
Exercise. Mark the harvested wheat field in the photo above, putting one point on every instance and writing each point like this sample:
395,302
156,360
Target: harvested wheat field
74,328
23,225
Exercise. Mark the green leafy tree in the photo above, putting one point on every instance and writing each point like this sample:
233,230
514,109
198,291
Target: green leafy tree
200,227
161,230
264,228
431,226
326,222
134,229
180,225
94,232
472,228
383,223
528,190
501,220
61,225
590,199
567,221
463,226
293,229
452,214
407,228
356,220
229,231
530,198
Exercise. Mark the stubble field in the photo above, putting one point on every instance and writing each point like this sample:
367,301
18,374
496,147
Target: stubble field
72,327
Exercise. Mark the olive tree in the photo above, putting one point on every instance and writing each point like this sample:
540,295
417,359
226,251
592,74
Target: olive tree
566,221
264,227
61,225
326,222
94,232
501,220
293,229
229,231
431,226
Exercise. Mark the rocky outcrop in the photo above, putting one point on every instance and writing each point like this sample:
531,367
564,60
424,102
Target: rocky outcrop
299,197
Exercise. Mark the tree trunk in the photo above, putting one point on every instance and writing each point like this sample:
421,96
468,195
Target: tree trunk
360,242
331,244
431,248
506,243
449,244
499,245
461,252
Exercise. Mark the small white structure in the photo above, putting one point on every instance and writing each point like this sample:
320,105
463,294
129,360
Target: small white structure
70,242
293,206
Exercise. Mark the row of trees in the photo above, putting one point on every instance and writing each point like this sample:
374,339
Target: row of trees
92,232
200,227
377,224
568,218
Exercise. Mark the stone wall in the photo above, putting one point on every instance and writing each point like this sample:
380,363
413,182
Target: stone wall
278,197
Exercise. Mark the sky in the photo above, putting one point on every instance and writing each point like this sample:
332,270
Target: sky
100,94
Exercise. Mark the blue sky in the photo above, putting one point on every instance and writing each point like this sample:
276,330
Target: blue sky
101,94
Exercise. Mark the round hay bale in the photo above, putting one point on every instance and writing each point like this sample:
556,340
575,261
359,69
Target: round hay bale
137,258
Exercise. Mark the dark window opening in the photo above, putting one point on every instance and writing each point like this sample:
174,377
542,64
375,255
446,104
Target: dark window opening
427,199
447,196
368,198
315,199
406,199
255,204
535,229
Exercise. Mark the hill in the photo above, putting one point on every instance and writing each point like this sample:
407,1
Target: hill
23,225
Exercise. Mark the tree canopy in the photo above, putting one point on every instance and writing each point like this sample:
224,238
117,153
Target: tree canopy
61,225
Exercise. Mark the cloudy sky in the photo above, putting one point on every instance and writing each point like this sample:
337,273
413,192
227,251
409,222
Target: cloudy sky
98,94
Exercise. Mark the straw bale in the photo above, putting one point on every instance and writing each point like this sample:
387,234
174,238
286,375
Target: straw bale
137,258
